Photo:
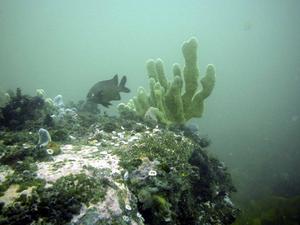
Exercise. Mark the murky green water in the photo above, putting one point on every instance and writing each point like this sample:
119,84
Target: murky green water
253,114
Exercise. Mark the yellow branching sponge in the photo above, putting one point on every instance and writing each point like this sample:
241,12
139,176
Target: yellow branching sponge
177,101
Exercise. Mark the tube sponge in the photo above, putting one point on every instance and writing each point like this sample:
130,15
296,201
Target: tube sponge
173,102
208,83
179,100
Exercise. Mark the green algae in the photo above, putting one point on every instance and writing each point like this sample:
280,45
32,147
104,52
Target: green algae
166,147
184,178
56,204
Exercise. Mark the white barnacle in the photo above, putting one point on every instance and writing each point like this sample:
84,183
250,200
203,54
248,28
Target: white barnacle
126,175
26,146
125,218
50,151
72,137
128,207
121,135
140,216
152,173
156,130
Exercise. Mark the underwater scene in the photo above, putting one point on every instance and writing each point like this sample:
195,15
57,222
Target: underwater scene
149,112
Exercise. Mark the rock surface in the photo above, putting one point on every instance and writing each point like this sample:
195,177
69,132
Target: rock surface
113,171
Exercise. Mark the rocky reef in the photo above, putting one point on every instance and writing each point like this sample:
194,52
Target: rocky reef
97,169
63,165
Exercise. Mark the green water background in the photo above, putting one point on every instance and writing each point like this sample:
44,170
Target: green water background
253,115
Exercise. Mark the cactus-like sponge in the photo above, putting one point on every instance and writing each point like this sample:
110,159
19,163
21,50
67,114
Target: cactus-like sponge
167,100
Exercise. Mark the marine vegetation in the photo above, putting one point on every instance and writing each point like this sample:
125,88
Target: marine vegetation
176,182
177,101
54,205
20,110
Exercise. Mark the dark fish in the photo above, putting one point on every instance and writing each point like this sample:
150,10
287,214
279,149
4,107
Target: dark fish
107,90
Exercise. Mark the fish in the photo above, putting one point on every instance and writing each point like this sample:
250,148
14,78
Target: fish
105,91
